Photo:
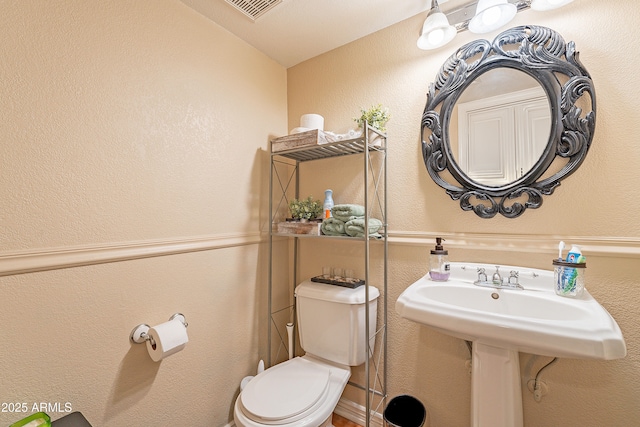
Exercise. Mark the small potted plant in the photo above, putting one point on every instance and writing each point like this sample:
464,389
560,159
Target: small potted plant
306,209
377,116
304,217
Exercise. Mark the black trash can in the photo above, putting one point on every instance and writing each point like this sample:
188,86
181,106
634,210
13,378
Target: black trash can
405,411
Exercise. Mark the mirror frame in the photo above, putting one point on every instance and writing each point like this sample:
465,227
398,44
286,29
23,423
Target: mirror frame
543,54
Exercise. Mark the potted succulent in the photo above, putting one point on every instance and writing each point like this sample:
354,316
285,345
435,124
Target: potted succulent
305,209
304,217
377,116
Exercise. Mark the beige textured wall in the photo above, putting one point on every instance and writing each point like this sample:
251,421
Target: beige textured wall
130,129
595,207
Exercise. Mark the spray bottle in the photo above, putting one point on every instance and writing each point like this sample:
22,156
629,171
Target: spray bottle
328,204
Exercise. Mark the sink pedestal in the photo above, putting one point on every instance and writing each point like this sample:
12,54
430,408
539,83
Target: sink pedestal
496,393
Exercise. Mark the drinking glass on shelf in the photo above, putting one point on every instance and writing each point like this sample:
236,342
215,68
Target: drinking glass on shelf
326,272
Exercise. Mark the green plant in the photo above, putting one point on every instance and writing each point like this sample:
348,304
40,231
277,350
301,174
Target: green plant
306,208
377,116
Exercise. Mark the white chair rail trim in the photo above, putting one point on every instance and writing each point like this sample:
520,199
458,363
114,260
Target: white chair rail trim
625,247
76,256
29,261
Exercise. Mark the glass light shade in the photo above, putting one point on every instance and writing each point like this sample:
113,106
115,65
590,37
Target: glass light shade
548,4
491,15
436,31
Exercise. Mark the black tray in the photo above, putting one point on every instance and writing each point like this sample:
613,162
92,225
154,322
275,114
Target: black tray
74,419
347,283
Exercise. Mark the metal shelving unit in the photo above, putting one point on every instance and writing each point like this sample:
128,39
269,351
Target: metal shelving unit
374,159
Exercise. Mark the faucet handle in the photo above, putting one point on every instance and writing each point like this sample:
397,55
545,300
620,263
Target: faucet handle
513,277
482,276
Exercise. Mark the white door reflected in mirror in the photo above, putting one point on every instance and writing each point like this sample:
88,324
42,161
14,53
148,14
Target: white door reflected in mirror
501,134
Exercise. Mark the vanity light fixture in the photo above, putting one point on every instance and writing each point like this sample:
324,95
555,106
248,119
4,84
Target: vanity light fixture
491,15
436,30
480,16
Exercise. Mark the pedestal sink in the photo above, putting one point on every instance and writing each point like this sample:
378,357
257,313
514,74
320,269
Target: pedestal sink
501,322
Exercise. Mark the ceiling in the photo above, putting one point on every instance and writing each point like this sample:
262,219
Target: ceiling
296,30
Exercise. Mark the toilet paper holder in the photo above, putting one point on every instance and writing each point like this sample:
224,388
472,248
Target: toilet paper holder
140,334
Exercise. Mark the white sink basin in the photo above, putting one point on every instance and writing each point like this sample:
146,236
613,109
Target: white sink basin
533,320
502,322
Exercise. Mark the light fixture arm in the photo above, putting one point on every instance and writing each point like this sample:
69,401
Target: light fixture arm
461,16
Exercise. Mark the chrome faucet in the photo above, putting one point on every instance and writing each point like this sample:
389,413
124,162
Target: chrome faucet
497,278
497,281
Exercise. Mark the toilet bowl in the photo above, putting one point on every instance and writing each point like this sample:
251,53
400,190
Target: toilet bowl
301,392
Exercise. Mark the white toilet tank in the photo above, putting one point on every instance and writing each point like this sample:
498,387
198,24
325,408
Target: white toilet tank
331,321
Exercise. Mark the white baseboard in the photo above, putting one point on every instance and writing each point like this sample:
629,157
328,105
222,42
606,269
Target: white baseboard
356,413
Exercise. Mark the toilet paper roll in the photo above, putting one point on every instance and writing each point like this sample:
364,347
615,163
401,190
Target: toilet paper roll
312,121
166,339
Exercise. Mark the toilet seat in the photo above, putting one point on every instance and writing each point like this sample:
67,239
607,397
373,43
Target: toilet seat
286,392
301,392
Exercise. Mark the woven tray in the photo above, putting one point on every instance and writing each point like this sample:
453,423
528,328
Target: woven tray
347,283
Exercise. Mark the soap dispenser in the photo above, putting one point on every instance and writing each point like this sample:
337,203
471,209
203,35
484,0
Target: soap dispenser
439,268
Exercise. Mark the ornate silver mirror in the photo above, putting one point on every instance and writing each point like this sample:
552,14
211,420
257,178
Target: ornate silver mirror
506,121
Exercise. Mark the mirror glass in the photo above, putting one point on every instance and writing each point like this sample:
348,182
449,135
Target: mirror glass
499,126
507,120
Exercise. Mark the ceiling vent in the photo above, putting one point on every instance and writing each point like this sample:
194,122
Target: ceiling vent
254,8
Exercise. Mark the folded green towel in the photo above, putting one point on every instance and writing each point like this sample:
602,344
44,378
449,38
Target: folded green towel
348,212
333,227
355,227
346,219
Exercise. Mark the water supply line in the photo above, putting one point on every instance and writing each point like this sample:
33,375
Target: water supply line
537,389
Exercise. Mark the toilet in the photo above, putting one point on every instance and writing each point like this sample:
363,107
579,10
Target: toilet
304,391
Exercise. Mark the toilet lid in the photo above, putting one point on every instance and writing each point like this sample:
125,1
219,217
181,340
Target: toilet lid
285,390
